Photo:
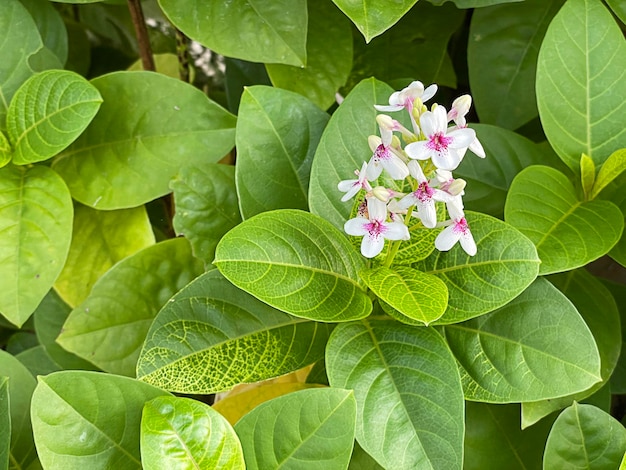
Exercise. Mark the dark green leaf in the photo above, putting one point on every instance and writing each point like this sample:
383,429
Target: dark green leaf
619,8
5,423
50,25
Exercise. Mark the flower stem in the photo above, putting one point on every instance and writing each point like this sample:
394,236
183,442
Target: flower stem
395,246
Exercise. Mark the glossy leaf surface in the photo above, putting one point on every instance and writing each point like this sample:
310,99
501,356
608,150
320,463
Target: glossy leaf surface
296,262
316,431
123,304
613,167
179,433
408,392
535,347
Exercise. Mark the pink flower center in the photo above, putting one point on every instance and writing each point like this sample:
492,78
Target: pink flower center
375,228
382,152
460,226
439,142
424,193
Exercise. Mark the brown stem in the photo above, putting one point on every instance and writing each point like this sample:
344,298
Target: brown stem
145,51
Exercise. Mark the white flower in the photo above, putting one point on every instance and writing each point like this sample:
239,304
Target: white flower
352,187
375,229
460,107
446,148
385,156
457,231
404,99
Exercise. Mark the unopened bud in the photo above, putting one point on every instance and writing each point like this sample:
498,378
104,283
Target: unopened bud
382,194
457,186
385,122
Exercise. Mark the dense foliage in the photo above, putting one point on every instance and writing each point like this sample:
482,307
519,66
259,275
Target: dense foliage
281,248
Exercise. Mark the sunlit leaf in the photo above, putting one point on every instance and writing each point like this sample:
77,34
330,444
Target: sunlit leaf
535,347
613,167
587,174
5,150
408,392
316,430
184,433
5,423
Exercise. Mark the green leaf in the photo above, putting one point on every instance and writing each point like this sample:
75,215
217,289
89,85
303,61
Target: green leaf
343,148
408,392
494,440
329,57
568,233
184,433
277,134
148,127
5,423
38,361
613,167
206,206
123,304
20,389
21,41
508,35
505,264
50,25
587,174
489,179
584,436
582,56
417,295
535,347
21,341
99,240
597,307
618,379
48,112
35,222
235,337
5,150
298,263
315,430
473,3
89,420
618,8
258,31
361,460
374,17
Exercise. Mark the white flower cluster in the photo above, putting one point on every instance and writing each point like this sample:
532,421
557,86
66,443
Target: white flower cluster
433,150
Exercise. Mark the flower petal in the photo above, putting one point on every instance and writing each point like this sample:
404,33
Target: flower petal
468,243
351,193
477,148
429,92
415,169
396,231
447,238
371,246
428,123
407,201
418,150
377,209
356,226
388,108
461,138
346,185
427,214
396,168
374,169
446,160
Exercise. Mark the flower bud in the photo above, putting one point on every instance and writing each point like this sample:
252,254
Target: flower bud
457,186
383,194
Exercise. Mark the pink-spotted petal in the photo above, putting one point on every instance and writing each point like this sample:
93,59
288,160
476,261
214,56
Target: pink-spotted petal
374,169
418,150
372,245
447,238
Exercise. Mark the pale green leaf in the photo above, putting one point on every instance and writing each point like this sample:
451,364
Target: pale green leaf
505,264
148,127
472,3
581,90
167,64
109,327
206,206
584,436
508,35
613,167
277,134
212,336
89,420
5,423
329,57
410,411
99,240
254,30
50,25
180,433
374,17
535,347
619,8
415,294
296,262
5,150
587,174
597,307
35,223
20,389
311,429
568,233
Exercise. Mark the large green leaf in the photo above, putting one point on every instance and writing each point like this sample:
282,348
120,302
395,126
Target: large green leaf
494,440
415,294
568,233
212,336
510,36
36,225
148,127
619,8
5,423
329,57
473,3
99,240
89,420
296,262
535,347
184,433
277,134
581,90
597,307
343,148
254,30
508,153
613,167
618,379
407,389
48,112
50,25
109,327
374,17
21,40
584,436
206,206
20,389
505,264
5,150
305,429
